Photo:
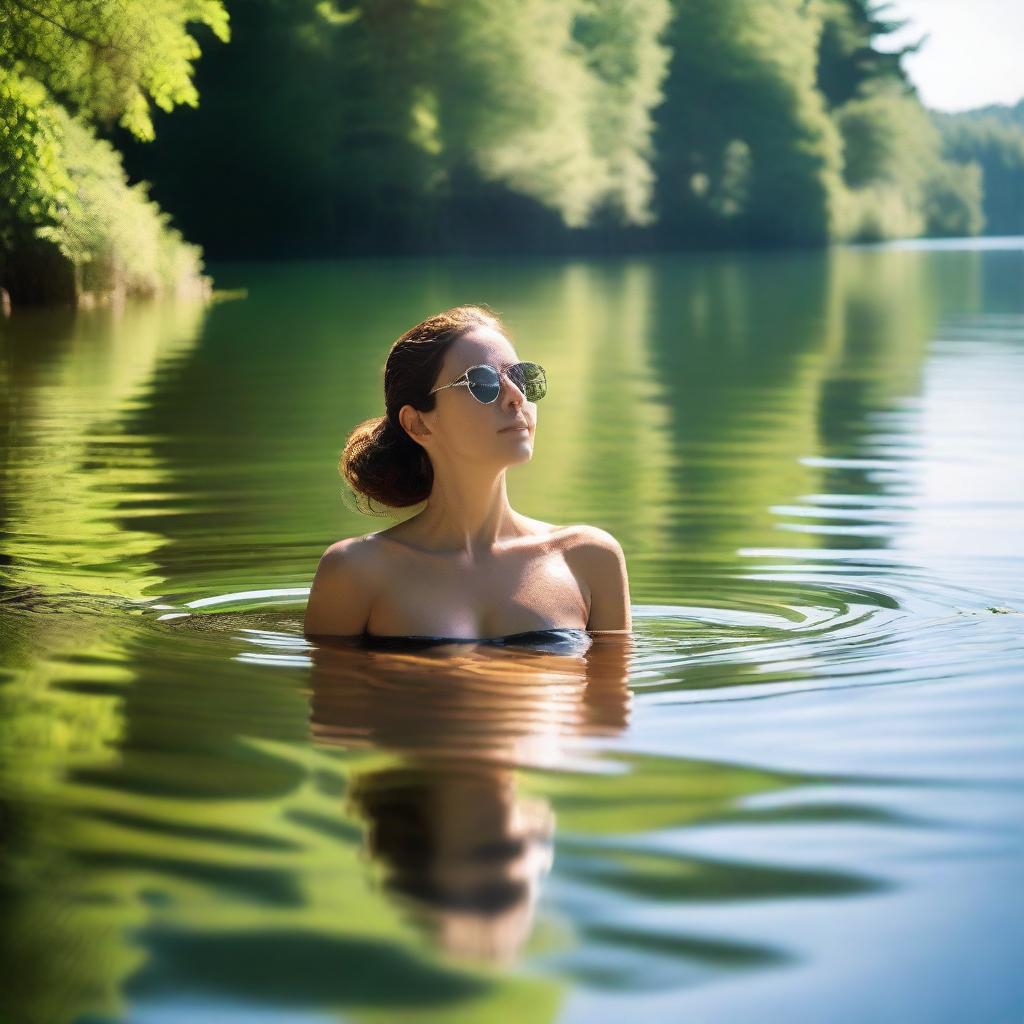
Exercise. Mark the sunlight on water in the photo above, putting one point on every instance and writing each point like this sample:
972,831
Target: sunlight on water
795,793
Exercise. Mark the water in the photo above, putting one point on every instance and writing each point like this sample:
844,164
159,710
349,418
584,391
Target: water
794,794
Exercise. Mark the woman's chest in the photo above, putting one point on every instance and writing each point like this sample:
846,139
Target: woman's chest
512,594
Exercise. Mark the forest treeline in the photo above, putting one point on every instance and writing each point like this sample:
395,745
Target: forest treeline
325,128
992,138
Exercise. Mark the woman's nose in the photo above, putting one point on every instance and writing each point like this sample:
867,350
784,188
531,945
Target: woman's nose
512,390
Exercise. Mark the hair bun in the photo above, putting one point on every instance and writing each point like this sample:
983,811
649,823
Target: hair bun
385,469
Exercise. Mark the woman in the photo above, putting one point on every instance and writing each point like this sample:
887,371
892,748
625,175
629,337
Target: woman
460,409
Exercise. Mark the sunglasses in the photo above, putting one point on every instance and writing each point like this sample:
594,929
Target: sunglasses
484,382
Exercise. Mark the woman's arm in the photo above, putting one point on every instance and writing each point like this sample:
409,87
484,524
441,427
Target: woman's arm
341,595
597,557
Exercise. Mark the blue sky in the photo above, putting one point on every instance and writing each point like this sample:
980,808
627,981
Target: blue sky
974,54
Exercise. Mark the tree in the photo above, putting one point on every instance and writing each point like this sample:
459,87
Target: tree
66,65
847,57
109,59
747,151
993,139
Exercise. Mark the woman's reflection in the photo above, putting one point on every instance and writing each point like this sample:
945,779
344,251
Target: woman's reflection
453,837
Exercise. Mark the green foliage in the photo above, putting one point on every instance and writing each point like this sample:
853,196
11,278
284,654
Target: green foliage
550,99
108,59
412,124
993,139
899,184
65,186
406,124
998,113
66,63
953,199
885,135
629,63
745,135
888,146
514,99
395,124
116,237
847,58
785,123
33,175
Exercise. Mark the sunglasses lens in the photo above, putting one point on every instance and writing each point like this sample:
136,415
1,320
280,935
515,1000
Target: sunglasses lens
530,379
484,383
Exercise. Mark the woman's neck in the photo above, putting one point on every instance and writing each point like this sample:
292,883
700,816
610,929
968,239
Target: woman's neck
466,517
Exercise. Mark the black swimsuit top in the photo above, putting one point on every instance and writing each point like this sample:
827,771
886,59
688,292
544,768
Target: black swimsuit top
554,641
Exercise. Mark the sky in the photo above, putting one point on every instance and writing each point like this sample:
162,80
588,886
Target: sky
974,54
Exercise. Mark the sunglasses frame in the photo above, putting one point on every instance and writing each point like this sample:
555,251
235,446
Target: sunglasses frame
463,378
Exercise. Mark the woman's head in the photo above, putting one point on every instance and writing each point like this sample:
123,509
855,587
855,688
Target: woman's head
392,459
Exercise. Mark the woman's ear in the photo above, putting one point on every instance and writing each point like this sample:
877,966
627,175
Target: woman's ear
413,423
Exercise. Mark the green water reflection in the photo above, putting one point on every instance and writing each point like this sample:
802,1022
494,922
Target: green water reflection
202,811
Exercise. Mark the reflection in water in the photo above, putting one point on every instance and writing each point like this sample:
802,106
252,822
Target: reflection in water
454,839
812,463
69,563
463,847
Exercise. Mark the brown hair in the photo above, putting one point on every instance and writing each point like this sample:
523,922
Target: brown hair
380,461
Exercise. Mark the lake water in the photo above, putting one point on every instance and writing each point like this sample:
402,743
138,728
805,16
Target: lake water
796,793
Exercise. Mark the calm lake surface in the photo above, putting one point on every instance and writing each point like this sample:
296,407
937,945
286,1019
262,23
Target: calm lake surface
796,793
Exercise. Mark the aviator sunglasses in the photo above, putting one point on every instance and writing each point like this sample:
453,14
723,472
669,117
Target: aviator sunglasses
484,382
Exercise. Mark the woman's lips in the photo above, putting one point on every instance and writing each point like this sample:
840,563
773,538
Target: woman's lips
517,426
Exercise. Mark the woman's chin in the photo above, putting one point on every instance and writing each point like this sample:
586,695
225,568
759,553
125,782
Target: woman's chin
522,453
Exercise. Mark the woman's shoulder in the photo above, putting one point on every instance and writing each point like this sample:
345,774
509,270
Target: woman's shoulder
343,589
574,535
366,552
592,553
356,557
595,557
590,540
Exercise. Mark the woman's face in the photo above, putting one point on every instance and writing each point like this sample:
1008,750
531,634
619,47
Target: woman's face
467,430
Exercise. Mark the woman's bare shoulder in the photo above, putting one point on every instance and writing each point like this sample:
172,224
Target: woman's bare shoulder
351,575
560,534
589,540
343,589
584,542
365,562
352,548
596,558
